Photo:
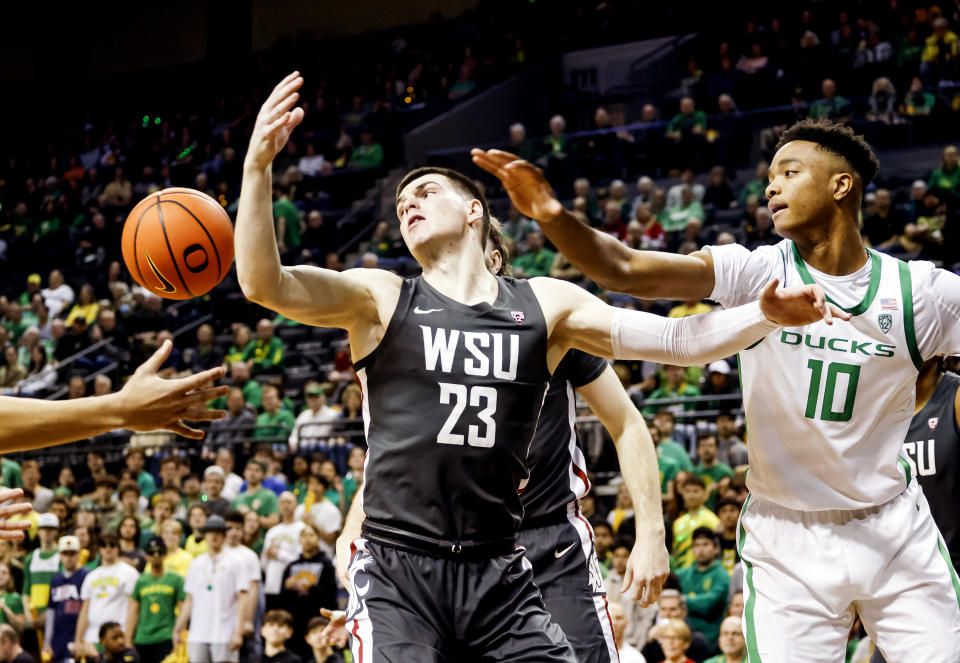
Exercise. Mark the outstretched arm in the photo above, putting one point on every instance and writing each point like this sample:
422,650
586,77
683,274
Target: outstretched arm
644,274
146,402
311,295
649,563
577,319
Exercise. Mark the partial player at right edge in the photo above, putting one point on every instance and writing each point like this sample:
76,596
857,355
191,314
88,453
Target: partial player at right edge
836,523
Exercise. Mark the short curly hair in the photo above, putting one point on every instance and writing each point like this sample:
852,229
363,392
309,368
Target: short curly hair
836,139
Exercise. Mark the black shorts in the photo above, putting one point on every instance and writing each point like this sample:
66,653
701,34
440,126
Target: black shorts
417,608
566,570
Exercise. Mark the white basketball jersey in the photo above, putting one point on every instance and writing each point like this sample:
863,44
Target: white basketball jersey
827,406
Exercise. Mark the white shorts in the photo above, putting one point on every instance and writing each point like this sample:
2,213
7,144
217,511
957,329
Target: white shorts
806,574
211,652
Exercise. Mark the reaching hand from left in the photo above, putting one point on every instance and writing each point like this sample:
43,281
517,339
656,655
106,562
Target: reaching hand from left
12,530
798,306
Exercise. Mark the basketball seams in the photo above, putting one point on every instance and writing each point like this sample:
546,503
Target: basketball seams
166,238
206,232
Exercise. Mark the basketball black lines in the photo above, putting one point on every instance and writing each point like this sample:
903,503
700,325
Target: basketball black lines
170,248
186,209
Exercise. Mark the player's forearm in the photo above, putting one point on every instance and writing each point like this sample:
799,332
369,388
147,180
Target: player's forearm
353,522
638,465
258,260
645,274
598,255
30,423
690,341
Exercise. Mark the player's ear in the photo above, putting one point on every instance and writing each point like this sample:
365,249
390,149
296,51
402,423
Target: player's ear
843,185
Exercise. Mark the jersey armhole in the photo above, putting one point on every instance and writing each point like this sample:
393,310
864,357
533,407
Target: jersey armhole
909,326
399,313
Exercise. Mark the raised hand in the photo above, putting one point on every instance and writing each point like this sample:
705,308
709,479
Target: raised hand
275,122
797,306
524,182
151,403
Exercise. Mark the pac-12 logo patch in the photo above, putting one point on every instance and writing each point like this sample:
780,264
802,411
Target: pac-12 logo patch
885,320
518,316
932,422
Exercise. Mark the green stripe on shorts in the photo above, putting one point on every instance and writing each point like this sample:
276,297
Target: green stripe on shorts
906,468
753,654
953,571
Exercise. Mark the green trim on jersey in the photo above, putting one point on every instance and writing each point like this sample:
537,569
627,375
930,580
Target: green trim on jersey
875,269
906,289
953,572
751,347
906,468
753,653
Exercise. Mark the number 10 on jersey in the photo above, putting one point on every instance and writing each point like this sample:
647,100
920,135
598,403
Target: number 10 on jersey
834,369
460,396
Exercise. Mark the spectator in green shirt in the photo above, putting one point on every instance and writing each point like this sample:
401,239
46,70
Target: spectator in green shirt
242,341
688,120
917,101
367,154
275,421
689,211
10,476
706,585
33,288
251,389
709,468
40,566
256,498
733,648
288,221
266,354
13,321
153,606
675,387
665,422
136,461
947,176
833,107
757,186
538,259
11,603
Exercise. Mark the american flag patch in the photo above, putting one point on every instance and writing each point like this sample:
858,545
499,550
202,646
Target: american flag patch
889,303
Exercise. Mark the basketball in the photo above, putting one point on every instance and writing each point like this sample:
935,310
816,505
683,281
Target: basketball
178,243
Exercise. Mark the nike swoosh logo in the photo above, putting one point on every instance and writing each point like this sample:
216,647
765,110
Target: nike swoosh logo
167,286
560,553
421,311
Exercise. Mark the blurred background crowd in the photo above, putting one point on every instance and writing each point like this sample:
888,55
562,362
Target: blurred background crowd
668,152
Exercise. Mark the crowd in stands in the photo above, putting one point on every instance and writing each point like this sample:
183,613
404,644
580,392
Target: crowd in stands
230,541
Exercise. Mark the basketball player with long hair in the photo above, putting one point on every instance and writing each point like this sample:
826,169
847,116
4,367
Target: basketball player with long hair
454,366
836,523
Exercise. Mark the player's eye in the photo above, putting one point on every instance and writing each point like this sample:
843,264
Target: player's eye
787,173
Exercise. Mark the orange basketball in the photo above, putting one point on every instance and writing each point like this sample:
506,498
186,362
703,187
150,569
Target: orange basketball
178,243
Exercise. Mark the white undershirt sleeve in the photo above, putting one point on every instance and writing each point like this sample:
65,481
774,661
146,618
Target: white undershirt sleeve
690,341
740,274
944,291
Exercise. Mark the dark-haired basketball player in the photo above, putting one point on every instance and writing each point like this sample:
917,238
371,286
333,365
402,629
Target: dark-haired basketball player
836,522
454,366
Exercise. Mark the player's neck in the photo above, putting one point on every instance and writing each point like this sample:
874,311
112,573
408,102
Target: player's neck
461,275
272,649
835,249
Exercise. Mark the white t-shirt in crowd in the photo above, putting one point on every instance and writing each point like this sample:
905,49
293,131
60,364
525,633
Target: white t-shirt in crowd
214,584
287,539
327,517
248,563
58,299
232,485
108,589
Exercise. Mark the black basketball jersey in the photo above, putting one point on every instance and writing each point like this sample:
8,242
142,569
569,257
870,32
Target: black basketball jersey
451,399
558,470
932,449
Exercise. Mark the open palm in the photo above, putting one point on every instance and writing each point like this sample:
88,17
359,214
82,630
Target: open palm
275,121
524,183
